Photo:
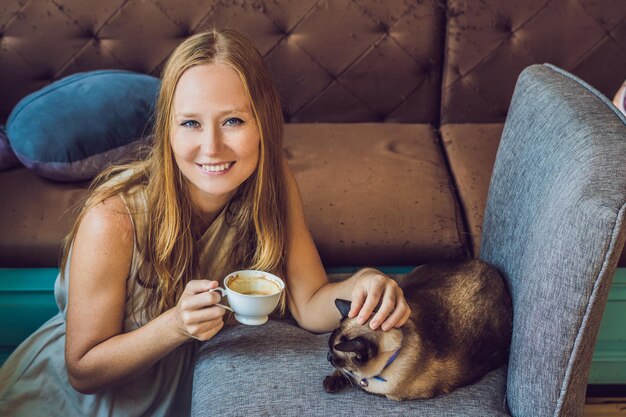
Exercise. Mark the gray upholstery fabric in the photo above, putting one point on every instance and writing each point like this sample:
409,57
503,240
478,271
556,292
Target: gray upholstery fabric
554,225
277,369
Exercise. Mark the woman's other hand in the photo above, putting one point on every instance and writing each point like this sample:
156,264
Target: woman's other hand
371,288
197,315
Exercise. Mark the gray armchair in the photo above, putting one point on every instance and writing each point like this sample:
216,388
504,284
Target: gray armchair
553,226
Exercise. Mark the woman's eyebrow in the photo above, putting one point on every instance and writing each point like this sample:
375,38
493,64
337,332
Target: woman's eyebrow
220,114
187,115
234,110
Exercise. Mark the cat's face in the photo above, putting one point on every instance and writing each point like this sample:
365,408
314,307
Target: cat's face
357,350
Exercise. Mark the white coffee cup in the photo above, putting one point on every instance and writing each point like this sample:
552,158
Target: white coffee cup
252,295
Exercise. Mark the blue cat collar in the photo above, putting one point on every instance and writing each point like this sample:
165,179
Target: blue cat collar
364,383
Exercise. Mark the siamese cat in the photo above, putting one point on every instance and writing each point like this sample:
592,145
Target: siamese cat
459,330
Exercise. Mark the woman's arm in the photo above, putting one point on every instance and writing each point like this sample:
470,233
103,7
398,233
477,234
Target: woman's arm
312,297
98,354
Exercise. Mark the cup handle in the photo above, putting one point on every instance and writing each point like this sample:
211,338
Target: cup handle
222,292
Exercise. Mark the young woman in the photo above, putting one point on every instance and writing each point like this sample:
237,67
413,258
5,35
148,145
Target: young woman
155,236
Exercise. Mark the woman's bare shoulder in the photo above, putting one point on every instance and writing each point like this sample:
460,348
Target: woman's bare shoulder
108,222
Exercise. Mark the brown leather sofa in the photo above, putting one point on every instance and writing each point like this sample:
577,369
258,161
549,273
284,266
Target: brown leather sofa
394,108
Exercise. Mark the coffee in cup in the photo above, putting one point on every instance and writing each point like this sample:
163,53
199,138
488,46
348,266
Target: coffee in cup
254,284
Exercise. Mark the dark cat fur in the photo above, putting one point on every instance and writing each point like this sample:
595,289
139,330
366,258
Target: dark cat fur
459,330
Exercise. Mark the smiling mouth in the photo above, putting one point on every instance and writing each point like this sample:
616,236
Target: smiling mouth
216,168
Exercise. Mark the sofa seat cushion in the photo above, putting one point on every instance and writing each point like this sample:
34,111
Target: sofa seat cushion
35,215
7,156
374,194
277,369
471,150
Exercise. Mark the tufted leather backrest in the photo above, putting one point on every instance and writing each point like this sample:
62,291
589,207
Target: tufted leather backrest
332,60
490,42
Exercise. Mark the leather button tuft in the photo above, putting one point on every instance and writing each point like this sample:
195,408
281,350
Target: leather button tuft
503,24
186,32
90,34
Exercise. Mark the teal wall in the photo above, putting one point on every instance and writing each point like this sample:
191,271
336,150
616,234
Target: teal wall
26,301
609,358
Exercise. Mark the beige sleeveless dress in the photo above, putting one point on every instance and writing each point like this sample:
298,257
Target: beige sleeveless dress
33,380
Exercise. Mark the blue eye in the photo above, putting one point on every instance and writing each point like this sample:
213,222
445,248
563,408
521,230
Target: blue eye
233,121
190,123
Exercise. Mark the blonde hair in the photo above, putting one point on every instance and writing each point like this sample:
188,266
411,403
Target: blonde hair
257,211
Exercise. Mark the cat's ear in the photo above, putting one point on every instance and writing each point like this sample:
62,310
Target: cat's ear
363,348
343,306
357,344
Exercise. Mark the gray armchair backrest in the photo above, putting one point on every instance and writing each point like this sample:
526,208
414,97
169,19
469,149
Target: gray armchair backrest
554,225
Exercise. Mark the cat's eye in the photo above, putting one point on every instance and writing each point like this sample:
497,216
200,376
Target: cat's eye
343,339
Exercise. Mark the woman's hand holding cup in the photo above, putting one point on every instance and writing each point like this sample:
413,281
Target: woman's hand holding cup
252,294
197,314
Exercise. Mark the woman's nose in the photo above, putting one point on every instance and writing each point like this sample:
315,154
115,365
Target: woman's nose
212,142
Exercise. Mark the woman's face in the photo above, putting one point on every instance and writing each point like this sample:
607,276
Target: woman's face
215,138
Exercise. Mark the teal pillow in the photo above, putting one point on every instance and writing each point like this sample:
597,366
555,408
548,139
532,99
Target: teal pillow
73,128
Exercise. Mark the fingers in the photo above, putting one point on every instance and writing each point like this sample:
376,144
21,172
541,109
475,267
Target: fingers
404,319
200,300
204,323
211,332
358,298
199,318
206,330
374,294
196,286
374,288
193,317
360,292
387,306
399,316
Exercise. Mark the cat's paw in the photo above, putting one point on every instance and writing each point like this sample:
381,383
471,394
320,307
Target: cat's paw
334,383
